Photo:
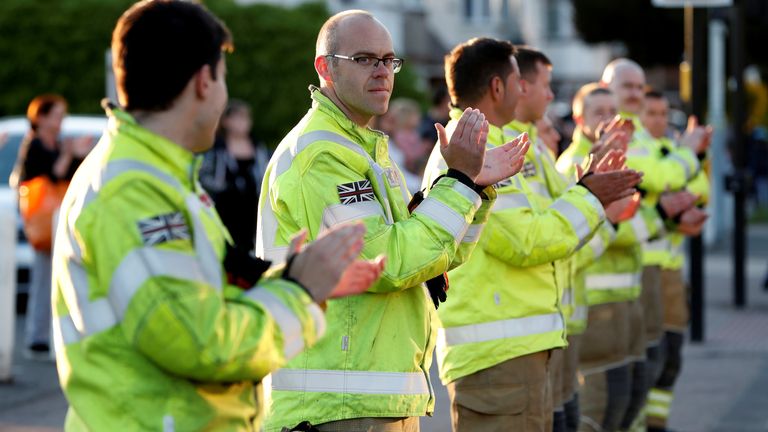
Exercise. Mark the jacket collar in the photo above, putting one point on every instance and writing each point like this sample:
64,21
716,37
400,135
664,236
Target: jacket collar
371,140
495,134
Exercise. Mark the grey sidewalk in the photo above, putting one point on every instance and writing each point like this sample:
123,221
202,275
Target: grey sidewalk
723,387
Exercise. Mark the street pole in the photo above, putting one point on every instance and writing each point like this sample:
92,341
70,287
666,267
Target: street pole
698,61
738,181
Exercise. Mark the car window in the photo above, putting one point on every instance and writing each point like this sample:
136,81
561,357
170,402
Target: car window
8,153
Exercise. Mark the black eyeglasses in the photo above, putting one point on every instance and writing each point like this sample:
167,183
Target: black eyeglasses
391,63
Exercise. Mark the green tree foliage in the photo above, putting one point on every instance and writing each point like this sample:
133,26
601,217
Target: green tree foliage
59,46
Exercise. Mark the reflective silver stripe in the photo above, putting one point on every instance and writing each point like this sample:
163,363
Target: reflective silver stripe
445,216
659,245
575,217
579,313
473,233
145,263
567,297
287,321
340,213
684,163
208,259
65,332
657,411
613,281
637,152
639,227
361,382
88,316
539,188
267,221
660,396
597,245
468,193
510,328
511,201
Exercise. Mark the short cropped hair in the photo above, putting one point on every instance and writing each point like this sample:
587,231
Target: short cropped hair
471,66
158,45
527,59
584,92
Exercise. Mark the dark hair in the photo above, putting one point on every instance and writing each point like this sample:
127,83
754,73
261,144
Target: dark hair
42,105
527,59
439,95
233,105
654,94
471,66
158,45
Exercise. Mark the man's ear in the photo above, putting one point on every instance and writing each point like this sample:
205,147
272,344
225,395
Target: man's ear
524,84
496,88
322,67
203,79
578,120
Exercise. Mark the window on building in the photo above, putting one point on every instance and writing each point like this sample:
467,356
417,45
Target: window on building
477,11
558,16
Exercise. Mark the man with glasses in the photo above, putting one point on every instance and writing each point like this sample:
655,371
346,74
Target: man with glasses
371,371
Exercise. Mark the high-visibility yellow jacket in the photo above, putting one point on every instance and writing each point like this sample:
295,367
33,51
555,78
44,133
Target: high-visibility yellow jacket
375,359
698,185
505,302
149,335
665,169
610,265
548,184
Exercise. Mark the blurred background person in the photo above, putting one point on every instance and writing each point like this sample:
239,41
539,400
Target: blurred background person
406,147
549,135
232,172
44,163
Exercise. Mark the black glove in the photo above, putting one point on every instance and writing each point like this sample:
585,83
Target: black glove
304,426
243,269
437,287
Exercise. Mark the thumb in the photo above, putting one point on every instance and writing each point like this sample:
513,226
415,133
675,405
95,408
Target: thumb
297,242
579,171
692,122
441,136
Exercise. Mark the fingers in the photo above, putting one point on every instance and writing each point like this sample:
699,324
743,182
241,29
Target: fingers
441,135
476,128
297,242
462,123
693,122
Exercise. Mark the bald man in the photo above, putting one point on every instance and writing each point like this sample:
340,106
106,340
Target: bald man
371,370
666,169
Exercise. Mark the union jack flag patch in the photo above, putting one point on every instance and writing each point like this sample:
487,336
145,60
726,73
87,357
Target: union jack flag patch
355,192
529,169
163,228
503,183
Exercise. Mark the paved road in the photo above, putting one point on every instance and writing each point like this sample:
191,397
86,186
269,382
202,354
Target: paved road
723,387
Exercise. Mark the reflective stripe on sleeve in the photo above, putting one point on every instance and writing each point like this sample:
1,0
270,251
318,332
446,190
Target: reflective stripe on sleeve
289,324
502,329
445,216
145,263
658,245
361,382
473,233
637,152
597,245
539,188
575,217
639,227
511,201
468,193
340,213
613,281
684,163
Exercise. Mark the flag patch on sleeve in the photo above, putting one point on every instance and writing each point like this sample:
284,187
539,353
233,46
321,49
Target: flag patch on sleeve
355,192
163,228
529,169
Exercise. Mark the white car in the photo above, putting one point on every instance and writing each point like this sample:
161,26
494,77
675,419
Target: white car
12,132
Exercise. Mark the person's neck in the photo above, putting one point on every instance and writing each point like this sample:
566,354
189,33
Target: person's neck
358,119
585,135
487,107
171,125
524,116
48,138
